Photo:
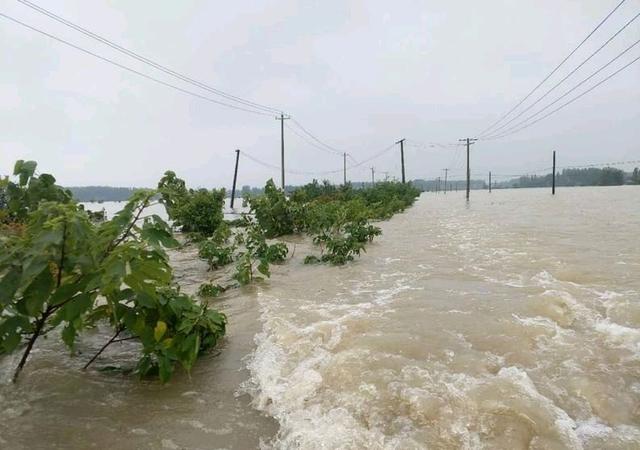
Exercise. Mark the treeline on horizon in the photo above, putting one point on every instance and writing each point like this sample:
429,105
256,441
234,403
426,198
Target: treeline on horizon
607,176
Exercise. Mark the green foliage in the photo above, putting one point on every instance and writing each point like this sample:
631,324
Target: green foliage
591,176
344,239
173,330
18,199
635,176
55,269
247,246
273,211
215,254
210,290
255,253
198,211
337,217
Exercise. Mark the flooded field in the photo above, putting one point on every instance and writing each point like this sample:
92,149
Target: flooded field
509,322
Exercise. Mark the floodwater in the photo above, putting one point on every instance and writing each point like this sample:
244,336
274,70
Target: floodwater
112,208
510,322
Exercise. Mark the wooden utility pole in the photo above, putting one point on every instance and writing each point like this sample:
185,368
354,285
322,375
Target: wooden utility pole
489,182
235,178
373,176
469,141
282,118
446,172
401,142
344,167
553,180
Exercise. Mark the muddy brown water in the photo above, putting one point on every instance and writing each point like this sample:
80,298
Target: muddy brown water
509,322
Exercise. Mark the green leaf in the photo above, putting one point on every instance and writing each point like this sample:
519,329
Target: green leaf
263,268
159,330
9,285
37,293
165,368
69,335
76,307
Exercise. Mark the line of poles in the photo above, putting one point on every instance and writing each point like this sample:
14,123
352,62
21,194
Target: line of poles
468,142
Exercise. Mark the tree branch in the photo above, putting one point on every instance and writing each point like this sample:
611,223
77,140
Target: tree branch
131,225
111,341
32,340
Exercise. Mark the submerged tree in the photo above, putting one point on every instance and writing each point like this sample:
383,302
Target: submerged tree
64,271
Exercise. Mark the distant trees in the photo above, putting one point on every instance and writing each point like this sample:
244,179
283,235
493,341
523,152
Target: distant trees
611,177
607,176
101,193
635,177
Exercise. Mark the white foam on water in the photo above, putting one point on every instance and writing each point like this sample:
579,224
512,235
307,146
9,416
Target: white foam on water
621,435
620,335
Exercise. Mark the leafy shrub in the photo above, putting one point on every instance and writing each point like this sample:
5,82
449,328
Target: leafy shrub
215,254
256,254
337,217
273,211
52,272
210,290
343,243
18,199
197,211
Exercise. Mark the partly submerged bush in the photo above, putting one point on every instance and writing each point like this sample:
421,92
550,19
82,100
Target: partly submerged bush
337,217
55,269
273,211
197,211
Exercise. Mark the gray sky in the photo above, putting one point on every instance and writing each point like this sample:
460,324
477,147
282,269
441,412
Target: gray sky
357,74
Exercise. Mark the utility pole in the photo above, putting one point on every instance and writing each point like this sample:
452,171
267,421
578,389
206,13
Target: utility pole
235,178
446,172
373,176
401,142
469,141
344,166
282,118
553,182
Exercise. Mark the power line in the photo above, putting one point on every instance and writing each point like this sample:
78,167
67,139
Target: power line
377,155
310,142
290,172
148,61
552,72
566,77
308,133
143,75
185,91
515,128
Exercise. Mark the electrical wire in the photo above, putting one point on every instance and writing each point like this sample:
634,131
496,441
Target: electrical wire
310,142
290,172
148,61
552,72
308,133
515,129
129,69
567,76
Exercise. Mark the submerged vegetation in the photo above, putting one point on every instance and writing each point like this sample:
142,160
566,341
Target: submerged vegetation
62,268
337,218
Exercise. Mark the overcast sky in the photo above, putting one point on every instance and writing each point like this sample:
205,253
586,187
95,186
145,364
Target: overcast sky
357,74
